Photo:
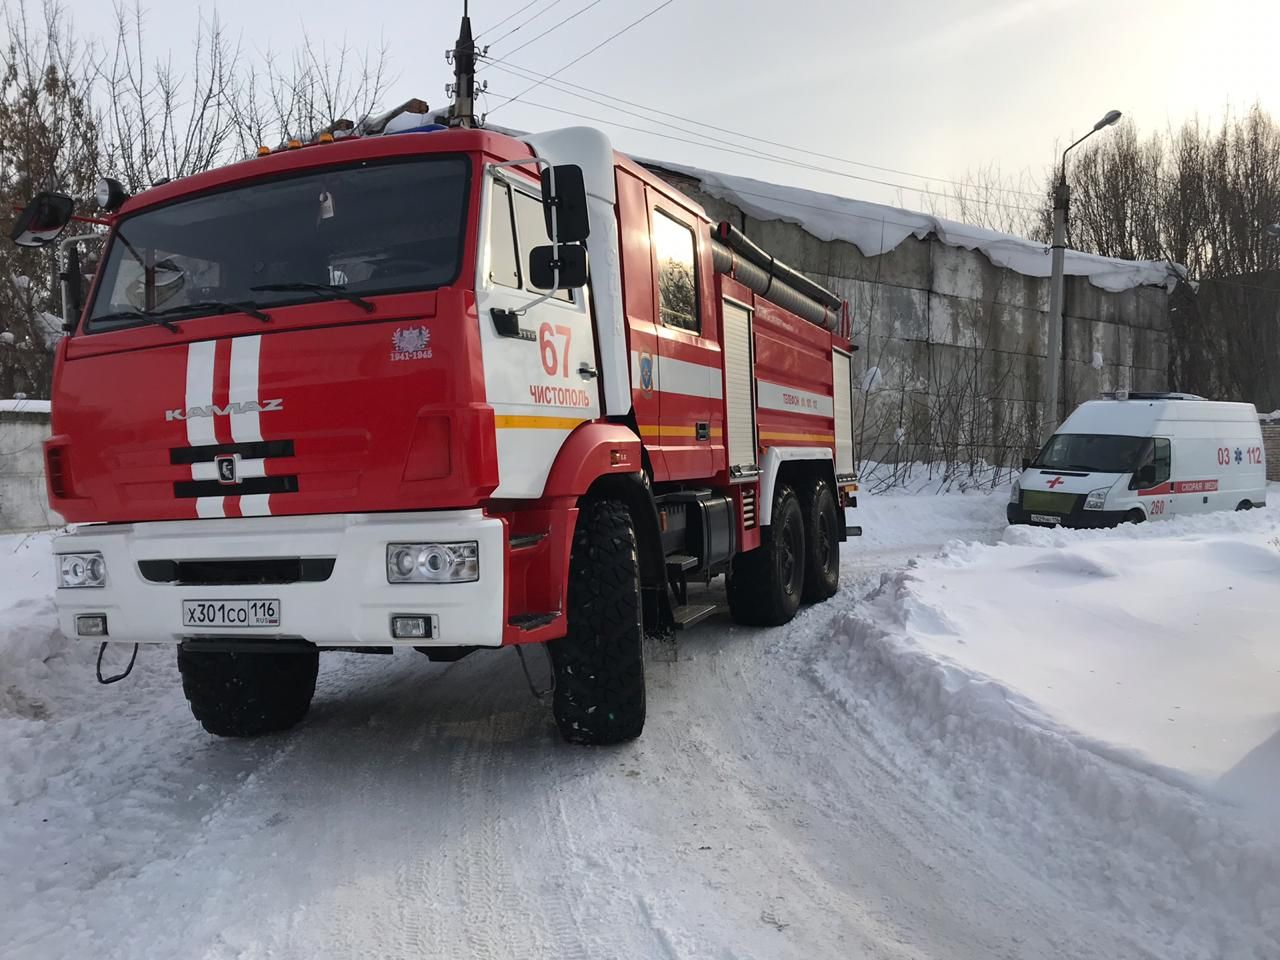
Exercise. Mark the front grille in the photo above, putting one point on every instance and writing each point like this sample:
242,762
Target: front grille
1046,501
245,488
255,450
238,572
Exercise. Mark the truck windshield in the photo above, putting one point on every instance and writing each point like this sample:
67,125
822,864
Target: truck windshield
1093,452
364,229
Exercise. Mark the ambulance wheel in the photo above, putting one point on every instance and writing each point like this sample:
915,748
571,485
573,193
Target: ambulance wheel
765,584
1135,516
247,694
1244,505
822,542
599,664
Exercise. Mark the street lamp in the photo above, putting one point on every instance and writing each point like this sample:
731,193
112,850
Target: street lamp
1061,200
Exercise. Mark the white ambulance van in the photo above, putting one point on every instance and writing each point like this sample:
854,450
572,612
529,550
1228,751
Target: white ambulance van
1144,456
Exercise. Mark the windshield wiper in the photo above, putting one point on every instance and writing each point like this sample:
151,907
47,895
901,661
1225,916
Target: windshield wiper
215,306
302,286
137,315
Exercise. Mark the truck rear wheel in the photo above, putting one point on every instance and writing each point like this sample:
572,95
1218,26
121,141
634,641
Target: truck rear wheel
765,584
822,542
247,694
599,664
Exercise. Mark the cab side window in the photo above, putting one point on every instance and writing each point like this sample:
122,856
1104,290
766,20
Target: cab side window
673,246
1163,460
531,225
504,262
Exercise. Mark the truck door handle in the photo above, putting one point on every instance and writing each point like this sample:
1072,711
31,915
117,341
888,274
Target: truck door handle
587,371
702,430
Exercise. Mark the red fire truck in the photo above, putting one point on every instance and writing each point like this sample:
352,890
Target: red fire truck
345,395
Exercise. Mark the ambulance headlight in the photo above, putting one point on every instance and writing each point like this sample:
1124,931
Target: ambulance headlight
81,570
1097,499
1015,492
433,562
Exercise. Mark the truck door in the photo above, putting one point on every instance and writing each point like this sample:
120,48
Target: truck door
540,378
688,374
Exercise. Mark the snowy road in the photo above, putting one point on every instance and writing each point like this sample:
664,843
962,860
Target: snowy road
429,810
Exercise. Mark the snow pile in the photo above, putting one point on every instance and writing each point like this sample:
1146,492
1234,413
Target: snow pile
1105,704
25,406
875,229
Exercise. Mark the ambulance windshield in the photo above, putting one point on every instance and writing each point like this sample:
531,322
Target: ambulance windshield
1093,453
365,229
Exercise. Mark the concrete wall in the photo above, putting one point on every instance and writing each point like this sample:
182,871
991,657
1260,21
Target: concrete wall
23,501
1271,444
960,343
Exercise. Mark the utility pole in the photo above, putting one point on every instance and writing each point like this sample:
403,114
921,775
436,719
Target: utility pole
1061,201
463,112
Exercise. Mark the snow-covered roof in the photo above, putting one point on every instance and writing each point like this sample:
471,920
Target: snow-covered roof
875,228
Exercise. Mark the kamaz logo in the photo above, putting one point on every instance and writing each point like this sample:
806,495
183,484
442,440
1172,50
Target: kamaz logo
213,410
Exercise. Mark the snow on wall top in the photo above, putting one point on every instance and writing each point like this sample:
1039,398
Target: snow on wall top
875,228
24,406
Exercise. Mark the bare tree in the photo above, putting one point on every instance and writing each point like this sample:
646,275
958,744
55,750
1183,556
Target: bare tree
48,141
986,197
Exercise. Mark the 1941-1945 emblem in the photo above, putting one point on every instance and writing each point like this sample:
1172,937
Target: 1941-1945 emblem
411,343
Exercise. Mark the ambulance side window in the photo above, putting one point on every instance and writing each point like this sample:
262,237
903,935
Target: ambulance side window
504,262
673,248
1163,460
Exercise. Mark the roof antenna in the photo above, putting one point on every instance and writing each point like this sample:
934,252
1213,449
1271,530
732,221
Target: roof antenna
463,111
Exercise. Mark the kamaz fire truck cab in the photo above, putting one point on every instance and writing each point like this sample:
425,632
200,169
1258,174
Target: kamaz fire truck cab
322,398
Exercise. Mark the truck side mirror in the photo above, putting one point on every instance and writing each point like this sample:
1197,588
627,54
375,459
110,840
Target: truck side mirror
1026,463
572,264
568,200
1146,476
43,220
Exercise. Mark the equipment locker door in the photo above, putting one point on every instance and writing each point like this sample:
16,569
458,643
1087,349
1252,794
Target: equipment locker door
740,394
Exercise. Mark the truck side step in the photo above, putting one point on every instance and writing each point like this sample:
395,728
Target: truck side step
691,613
531,621
681,562
522,541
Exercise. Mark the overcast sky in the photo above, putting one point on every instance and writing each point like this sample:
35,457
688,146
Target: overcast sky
928,87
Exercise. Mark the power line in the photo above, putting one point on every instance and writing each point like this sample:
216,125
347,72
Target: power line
525,73
608,39
553,27
515,14
742,151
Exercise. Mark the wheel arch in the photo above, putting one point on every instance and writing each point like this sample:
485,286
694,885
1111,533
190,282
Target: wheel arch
792,465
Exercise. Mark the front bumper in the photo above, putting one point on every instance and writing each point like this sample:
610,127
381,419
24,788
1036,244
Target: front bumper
1078,519
353,606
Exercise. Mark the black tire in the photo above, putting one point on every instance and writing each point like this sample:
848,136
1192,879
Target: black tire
1135,516
599,664
821,541
1244,505
765,584
248,694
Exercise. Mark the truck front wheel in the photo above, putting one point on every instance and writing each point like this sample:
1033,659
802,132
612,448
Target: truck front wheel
599,664
765,584
247,694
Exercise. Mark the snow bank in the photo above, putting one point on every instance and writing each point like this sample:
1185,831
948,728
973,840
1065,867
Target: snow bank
27,406
875,229
1106,702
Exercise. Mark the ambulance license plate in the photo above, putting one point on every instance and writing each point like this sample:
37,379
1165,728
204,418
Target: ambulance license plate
1046,518
231,614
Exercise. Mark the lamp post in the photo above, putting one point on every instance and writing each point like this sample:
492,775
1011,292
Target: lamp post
1061,200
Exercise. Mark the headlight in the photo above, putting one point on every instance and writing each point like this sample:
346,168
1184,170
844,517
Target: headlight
1015,492
81,570
1097,499
433,562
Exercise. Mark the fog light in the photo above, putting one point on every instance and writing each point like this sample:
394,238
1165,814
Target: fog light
91,625
411,628
81,570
